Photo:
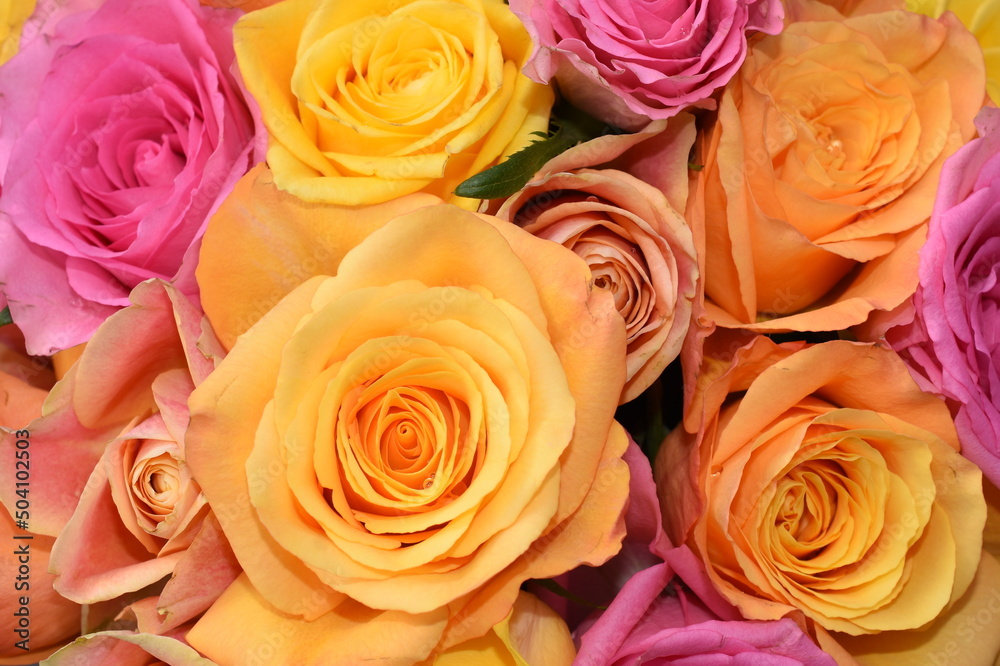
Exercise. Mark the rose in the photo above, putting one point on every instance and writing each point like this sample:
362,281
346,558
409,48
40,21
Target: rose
637,247
118,417
365,106
140,507
403,444
821,169
823,480
949,343
121,132
633,61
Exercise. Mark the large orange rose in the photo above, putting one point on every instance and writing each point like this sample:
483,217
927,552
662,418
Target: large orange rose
820,172
401,445
824,481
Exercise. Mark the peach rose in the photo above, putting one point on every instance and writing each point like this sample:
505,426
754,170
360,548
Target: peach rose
114,488
366,102
392,451
821,169
823,480
637,245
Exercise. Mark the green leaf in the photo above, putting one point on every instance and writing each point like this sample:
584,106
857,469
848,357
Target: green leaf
5,317
506,178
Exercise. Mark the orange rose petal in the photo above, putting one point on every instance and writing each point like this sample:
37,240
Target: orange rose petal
969,633
241,627
591,536
590,347
237,288
219,441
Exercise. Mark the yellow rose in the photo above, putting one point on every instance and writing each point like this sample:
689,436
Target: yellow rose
401,445
368,101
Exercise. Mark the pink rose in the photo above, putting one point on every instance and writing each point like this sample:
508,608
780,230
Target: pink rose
629,61
644,626
951,345
121,132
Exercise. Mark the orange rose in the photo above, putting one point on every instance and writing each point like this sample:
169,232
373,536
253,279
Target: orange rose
820,172
823,480
392,451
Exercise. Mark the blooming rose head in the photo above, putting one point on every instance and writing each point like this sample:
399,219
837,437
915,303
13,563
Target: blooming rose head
951,344
821,169
366,102
637,246
631,61
823,480
406,442
119,417
121,131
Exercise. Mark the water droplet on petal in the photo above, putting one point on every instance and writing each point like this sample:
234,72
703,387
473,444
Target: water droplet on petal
429,482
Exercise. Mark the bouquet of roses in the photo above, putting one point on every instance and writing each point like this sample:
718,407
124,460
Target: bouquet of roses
459,331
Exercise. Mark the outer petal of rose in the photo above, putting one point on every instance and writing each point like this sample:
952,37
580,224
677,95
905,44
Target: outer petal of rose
95,557
127,648
968,634
842,370
592,349
591,536
23,402
238,288
57,484
219,441
53,619
162,319
603,639
241,626
202,574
